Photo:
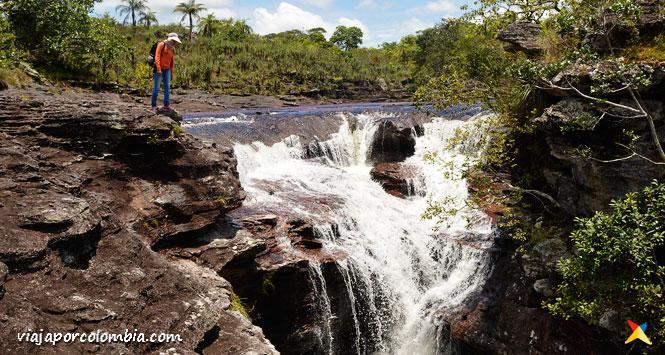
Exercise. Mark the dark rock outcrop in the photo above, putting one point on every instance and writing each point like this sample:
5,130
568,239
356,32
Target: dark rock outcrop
651,23
89,185
578,145
507,318
288,288
393,143
522,37
397,179
577,155
4,271
170,113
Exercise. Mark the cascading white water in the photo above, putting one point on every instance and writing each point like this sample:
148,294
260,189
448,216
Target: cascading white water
406,270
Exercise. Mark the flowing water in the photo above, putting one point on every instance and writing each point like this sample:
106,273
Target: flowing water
403,273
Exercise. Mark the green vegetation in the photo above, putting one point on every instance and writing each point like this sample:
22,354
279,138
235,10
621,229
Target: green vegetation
238,306
618,265
131,9
267,286
176,130
458,61
619,254
347,37
190,10
64,42
221,200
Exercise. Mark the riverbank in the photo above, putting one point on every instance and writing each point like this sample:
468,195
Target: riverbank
90,184
196,100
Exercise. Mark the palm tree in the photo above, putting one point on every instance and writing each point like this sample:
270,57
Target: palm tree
130,8
207,25
148,18
189,9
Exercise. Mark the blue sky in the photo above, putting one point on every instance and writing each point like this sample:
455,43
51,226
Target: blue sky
381,20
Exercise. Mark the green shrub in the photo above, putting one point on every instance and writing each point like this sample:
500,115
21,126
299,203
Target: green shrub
8,53
619,263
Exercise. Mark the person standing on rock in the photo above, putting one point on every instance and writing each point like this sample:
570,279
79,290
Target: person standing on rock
163,68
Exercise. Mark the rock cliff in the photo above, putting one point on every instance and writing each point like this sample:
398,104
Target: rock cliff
573,157
90,187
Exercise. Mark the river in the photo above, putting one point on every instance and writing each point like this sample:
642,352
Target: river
404,273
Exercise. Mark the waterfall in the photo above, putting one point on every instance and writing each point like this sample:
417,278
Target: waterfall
403,273
320,289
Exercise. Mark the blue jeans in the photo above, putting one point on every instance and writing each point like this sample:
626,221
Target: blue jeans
166,78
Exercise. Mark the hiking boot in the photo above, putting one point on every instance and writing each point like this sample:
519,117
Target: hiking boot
153,109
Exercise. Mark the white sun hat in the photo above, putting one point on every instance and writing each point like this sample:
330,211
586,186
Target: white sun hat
173,37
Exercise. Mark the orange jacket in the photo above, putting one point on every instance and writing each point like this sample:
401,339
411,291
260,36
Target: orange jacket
164,57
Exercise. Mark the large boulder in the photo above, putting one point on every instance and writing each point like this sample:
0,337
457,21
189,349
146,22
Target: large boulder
392,143
522,37
397,179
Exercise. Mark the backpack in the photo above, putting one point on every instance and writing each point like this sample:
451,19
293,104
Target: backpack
151,56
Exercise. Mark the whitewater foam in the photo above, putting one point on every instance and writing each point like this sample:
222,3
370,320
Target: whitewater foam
409,270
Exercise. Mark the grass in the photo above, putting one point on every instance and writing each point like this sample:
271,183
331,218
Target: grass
651,51
14,77
176,130
238,306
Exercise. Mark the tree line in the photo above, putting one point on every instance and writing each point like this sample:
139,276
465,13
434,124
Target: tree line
136,11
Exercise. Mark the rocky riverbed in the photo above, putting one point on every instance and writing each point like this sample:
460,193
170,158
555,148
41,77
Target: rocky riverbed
90,185
113,218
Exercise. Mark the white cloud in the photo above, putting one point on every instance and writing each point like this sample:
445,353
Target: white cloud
407,27
441,6
368,4
290,17
223,13
286,17
318,3
348,22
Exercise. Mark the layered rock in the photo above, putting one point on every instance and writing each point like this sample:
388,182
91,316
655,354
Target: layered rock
583,168
88,186
284,278
575,156
651,22
397,179
522,37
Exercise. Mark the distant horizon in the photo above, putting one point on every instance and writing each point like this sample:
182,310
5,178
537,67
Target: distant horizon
381,20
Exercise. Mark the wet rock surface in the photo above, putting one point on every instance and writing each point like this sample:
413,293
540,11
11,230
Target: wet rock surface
397,179
89,185
312,125
271,261
507,317
394,143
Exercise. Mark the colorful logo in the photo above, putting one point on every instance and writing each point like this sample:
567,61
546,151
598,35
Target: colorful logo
638,332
